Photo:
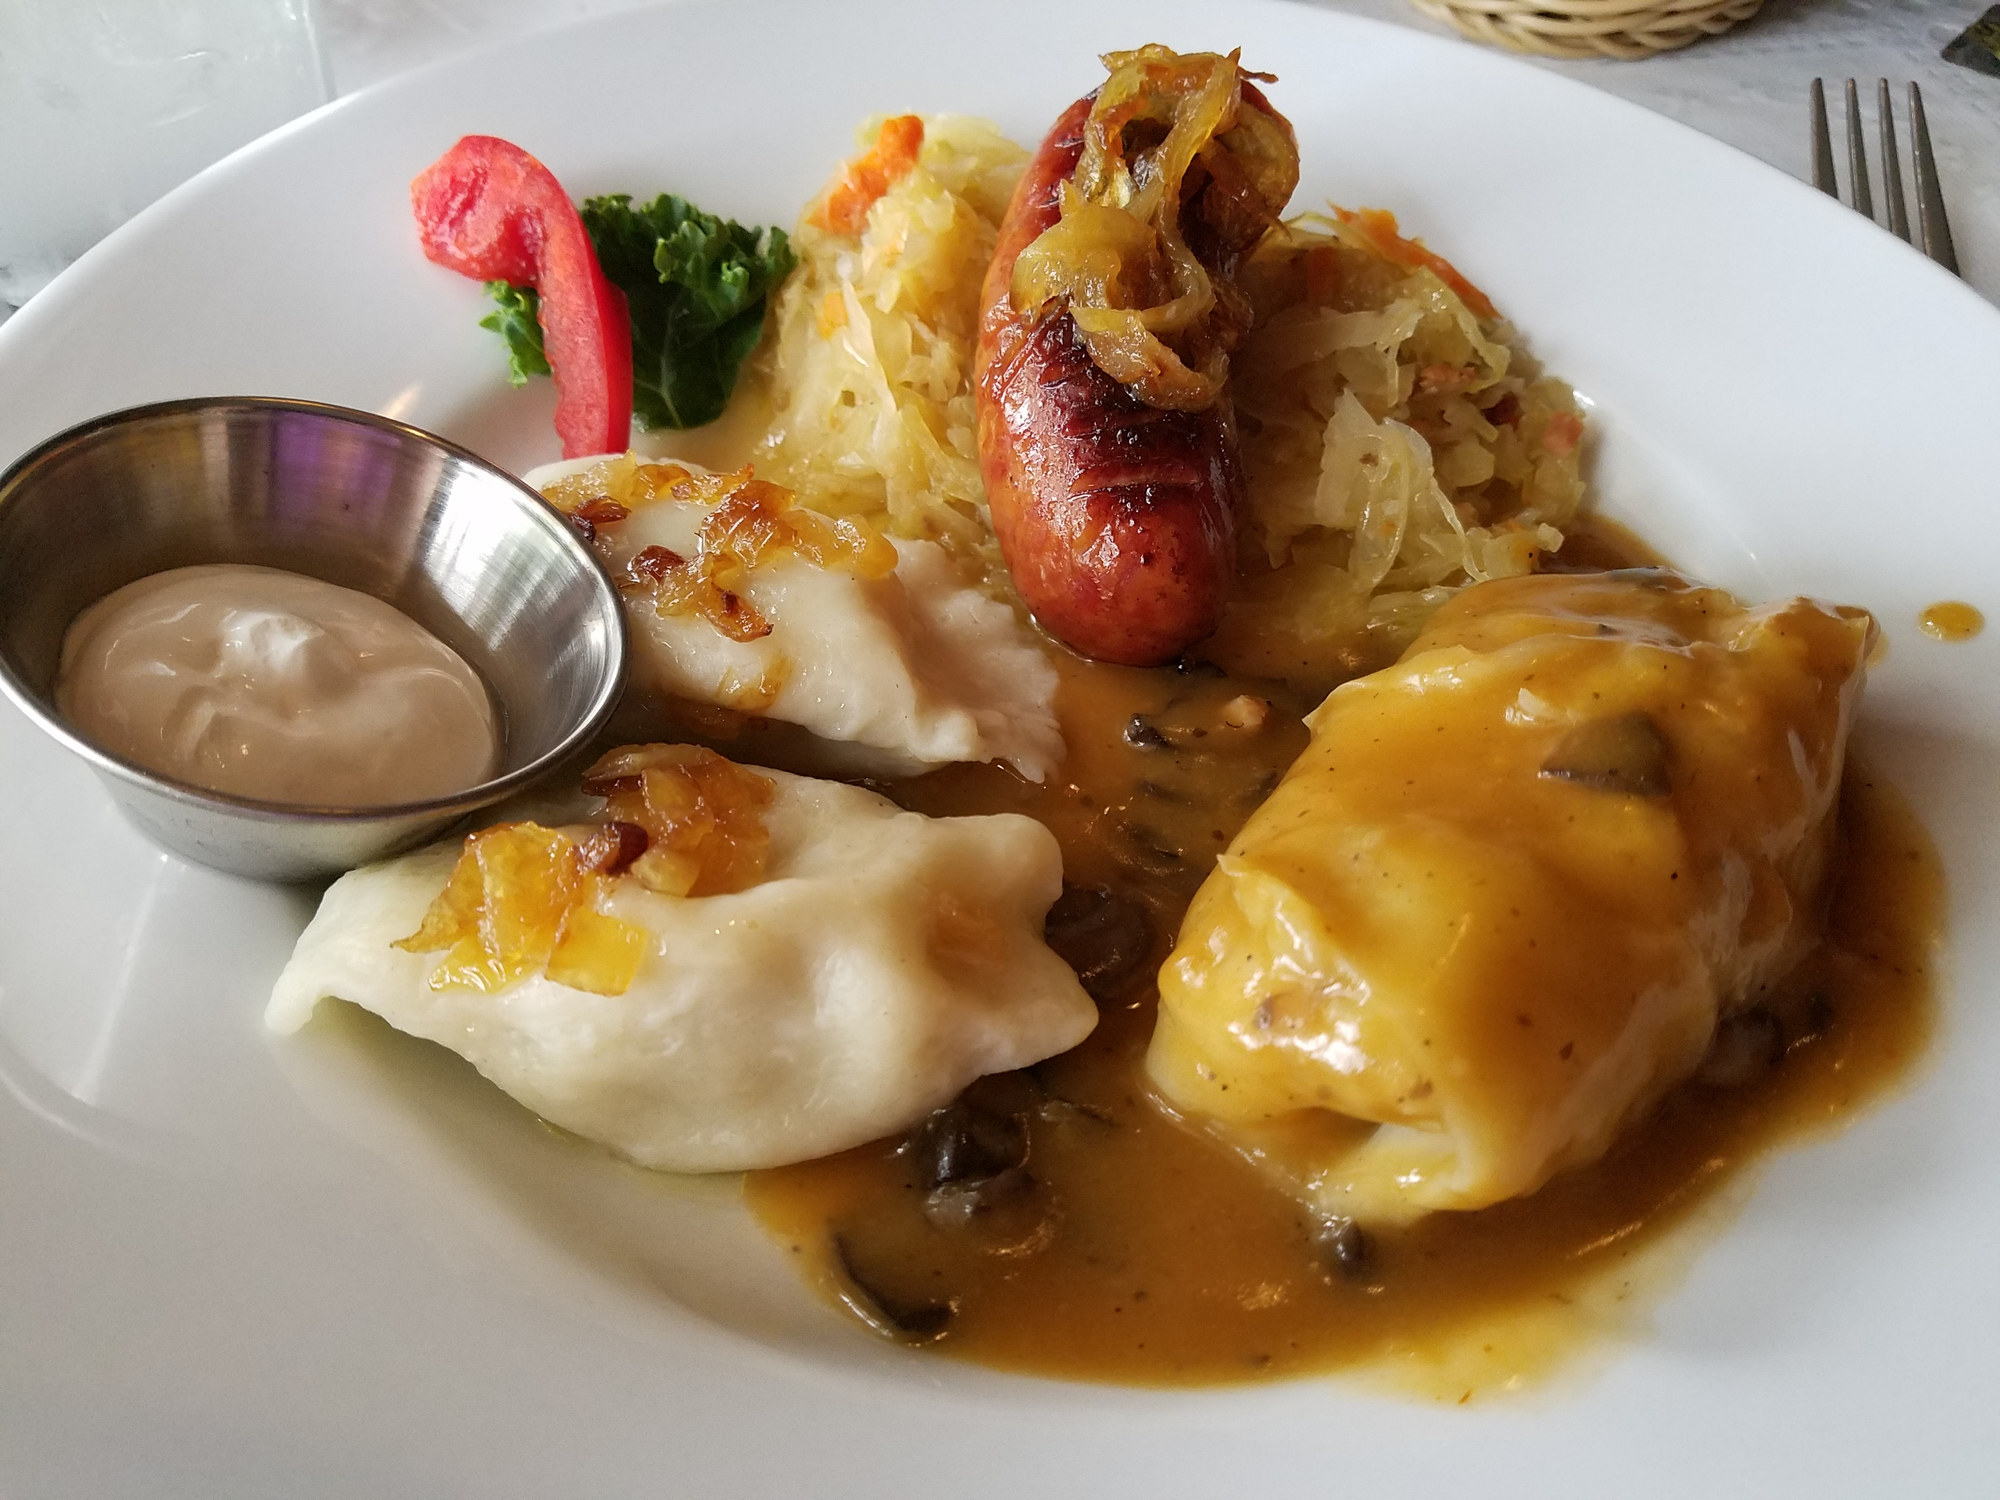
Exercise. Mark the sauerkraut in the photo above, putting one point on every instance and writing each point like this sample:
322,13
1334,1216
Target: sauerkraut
871,375
1397,443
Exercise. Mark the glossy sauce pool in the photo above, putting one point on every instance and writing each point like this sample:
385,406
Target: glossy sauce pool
1951,620
1149,1255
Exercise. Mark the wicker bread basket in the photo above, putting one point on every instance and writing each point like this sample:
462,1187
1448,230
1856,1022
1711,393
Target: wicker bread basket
1590,28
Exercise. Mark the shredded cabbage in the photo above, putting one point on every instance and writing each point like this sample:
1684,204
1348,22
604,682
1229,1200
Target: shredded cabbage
1397,442
871,375
1396,445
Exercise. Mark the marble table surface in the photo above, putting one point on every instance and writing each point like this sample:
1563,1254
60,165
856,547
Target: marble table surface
1747,87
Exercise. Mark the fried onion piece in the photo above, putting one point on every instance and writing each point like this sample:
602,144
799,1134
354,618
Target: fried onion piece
749,522
1181,173
703,816
520,902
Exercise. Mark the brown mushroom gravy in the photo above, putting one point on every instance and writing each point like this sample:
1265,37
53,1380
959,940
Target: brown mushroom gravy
1060,1222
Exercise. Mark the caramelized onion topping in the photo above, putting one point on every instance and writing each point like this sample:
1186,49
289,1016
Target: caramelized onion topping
1180,176
749,521
703,816
524,899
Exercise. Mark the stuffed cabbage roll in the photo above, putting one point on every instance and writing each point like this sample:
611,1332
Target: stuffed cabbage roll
1498,906
721,969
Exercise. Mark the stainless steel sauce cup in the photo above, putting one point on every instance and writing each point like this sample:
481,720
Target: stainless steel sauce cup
467,551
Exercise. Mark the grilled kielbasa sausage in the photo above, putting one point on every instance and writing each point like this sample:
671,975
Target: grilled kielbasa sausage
1115,516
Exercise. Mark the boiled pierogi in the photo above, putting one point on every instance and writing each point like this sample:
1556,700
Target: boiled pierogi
738,597
837,968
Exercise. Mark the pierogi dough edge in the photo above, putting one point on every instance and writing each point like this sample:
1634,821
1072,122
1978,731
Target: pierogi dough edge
886,960
896,675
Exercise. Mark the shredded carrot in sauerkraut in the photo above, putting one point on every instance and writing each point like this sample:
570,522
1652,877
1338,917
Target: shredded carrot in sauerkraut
871,373
1378,227
844,207
1171,141
1397,444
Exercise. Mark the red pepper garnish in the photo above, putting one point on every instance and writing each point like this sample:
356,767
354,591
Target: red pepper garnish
488,210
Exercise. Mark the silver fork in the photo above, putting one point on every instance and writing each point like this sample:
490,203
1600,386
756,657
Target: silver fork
1933,229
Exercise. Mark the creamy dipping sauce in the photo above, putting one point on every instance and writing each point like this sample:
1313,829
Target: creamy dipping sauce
271,685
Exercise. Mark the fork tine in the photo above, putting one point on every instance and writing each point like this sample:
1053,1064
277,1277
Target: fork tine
1892,169
1930,197
1822,144
1857,158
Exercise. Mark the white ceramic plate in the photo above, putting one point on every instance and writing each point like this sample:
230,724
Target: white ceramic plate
337,1265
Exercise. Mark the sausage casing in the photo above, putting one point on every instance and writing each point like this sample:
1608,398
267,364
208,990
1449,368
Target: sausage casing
1116,518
